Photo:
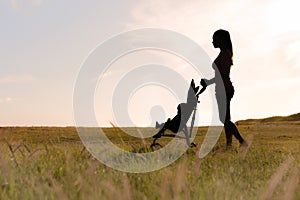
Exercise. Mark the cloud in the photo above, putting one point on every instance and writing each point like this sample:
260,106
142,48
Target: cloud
18,4
16,78
14,4
37,2
265,37
262,43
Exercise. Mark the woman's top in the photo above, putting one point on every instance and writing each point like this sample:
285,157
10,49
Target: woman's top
223,64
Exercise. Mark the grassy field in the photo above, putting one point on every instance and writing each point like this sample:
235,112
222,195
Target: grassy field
51,163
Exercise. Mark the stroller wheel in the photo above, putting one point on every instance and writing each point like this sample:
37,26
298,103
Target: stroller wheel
193,144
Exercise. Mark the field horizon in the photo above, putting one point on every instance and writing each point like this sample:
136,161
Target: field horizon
276,118
52,163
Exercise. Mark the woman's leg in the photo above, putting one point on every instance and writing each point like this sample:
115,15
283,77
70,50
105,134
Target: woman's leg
230,127
225,118
224,115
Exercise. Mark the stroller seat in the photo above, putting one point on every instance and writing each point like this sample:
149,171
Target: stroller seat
184,112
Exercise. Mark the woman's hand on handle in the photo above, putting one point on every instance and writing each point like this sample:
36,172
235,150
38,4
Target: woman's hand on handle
203,82
206,82
204,85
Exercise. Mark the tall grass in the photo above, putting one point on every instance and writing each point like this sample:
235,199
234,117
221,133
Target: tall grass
57,166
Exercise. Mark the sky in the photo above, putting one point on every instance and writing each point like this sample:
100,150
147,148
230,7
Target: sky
43,45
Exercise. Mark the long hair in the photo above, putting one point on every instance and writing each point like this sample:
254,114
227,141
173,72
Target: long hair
225,41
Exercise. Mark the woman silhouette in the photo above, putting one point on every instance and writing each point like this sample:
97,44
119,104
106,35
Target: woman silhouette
224,87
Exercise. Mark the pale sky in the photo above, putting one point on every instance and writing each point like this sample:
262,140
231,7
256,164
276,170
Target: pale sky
44,43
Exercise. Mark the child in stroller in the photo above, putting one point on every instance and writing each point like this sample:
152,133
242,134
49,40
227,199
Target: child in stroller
184,111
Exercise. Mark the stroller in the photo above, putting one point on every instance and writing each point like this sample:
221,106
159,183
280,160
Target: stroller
184,112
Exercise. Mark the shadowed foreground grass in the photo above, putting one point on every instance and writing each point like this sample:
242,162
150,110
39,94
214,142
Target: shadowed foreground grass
51,163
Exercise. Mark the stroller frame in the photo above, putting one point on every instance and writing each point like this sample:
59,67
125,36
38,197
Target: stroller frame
178,123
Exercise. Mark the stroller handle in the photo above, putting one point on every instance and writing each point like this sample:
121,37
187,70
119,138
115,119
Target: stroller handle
202,90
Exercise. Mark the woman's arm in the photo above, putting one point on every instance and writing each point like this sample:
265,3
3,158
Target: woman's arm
208,82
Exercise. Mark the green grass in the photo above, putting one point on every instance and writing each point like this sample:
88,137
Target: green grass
51,163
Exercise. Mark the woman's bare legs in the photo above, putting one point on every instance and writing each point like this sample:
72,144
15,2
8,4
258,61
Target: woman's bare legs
231,129
229,126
